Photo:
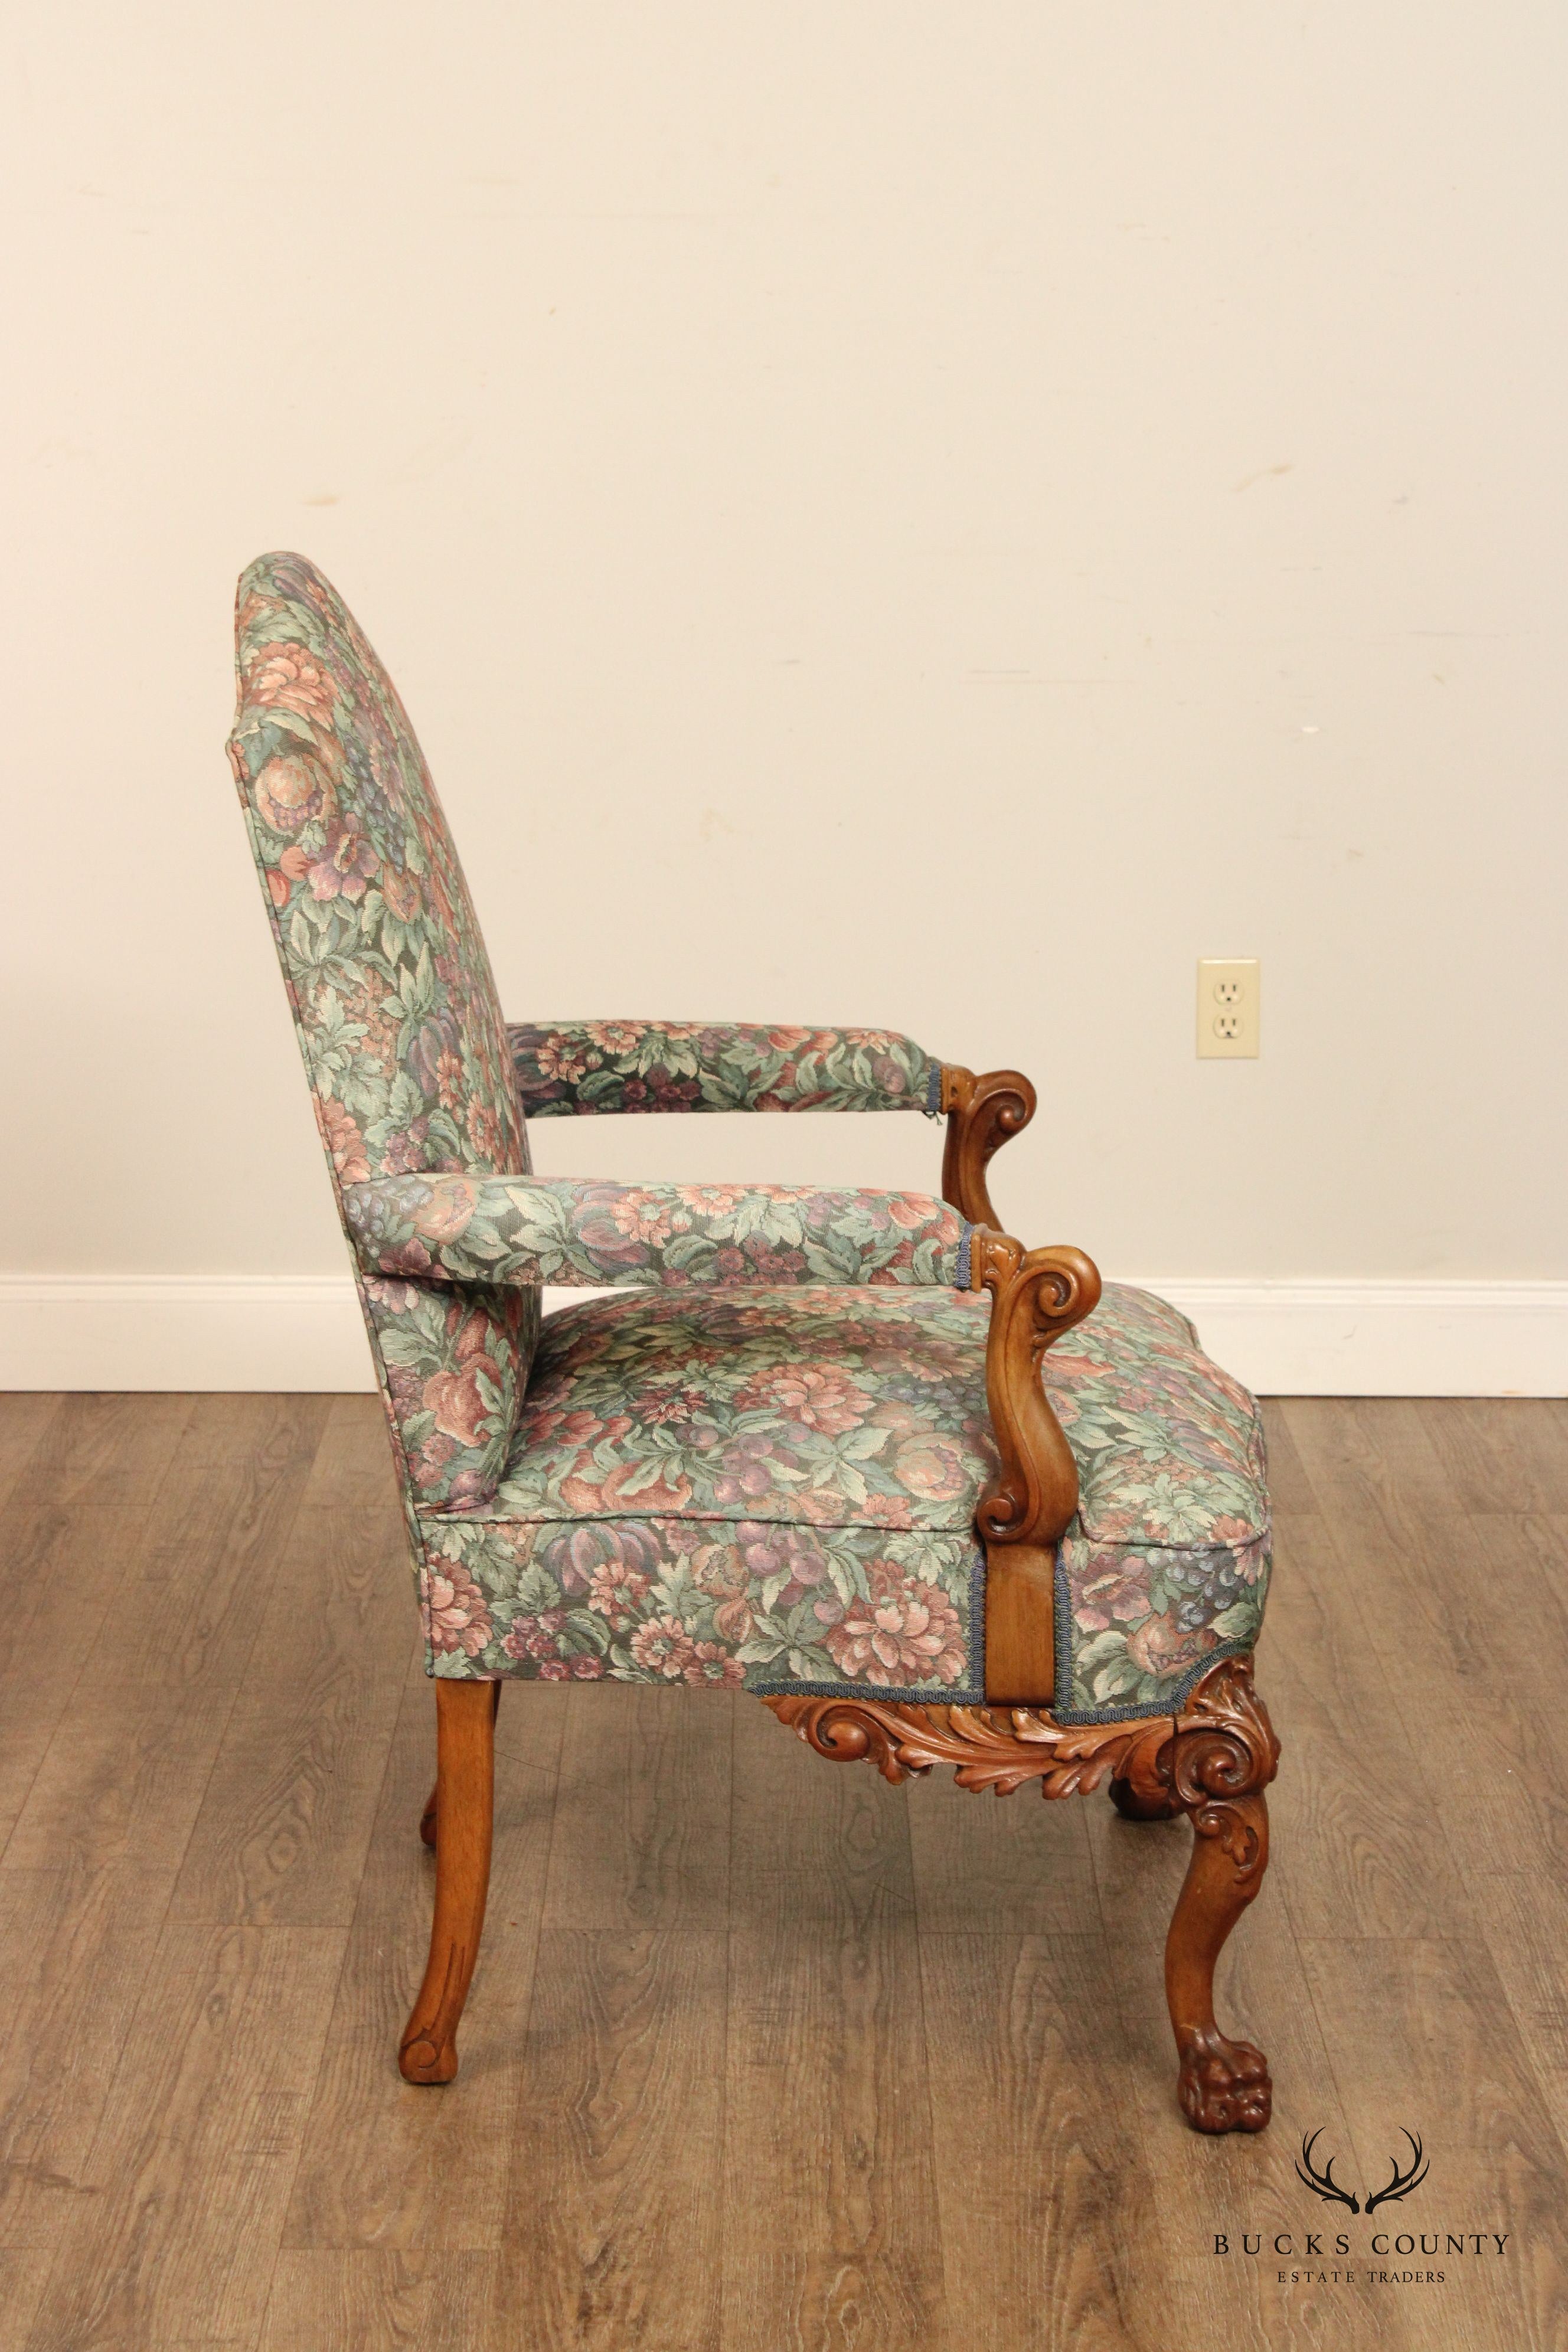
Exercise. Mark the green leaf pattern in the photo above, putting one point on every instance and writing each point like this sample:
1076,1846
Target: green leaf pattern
525,1229
705,1482
565,1066
390,990
776,1487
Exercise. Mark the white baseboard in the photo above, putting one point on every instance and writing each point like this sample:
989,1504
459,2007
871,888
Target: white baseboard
1312,1338
1332,1338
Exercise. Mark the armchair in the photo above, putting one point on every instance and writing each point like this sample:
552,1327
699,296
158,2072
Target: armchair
822,1445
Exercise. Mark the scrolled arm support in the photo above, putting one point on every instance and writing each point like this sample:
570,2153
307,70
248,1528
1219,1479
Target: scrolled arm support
983,1113
1035,1296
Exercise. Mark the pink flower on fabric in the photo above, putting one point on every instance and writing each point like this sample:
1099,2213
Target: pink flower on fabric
616,1590
614,1036
287,676
665,1647
345,865
710,1663
662,1405
566,1063
459,1619
886,1510
904,1631
449,1078
711,1200
816,1396
484,1131
640,1221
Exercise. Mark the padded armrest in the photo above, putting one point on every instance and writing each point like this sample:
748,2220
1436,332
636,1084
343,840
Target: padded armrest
524,1229
566,1066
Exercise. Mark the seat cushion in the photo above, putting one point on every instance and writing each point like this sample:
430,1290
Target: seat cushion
777,1488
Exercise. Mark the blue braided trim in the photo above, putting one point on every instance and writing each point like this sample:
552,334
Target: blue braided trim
964,1280
933,1090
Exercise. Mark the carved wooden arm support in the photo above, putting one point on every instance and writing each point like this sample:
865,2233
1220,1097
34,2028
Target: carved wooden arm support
1036,1296
982,1113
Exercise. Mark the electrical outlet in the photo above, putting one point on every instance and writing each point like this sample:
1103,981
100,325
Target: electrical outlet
1227,1008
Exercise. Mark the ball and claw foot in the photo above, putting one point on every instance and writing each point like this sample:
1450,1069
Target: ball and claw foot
1223,2086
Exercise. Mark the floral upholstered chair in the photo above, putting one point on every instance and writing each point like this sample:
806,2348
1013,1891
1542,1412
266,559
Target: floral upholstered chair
813,1446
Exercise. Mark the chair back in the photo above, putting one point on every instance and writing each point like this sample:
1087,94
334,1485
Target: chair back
393,997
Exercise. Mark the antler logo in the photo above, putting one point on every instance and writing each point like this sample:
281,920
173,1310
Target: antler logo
1403,2182
1323,2184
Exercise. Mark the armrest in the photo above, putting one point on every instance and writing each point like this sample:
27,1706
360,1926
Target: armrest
524,1229
566,1066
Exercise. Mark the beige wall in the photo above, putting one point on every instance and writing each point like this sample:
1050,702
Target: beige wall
930,516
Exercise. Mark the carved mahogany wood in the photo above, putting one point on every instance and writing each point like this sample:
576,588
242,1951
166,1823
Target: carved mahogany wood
983,1113
1036,1296
989,1746
427,1818
1224,1756
1212,1762
465,1804
1135,1807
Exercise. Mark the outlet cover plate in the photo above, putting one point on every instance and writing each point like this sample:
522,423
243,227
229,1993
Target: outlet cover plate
1227,1008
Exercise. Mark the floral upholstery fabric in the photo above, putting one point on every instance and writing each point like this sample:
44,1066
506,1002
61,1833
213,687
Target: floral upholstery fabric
523,1229
565,1067
776,1489
754,1470
390,990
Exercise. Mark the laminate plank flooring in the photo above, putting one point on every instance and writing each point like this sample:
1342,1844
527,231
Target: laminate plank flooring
763,2056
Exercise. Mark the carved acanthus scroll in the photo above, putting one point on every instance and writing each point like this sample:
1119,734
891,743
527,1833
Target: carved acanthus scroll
1218,1751
990,1747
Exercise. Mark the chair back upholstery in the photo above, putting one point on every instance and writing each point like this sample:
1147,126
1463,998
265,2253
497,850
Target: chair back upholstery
393,997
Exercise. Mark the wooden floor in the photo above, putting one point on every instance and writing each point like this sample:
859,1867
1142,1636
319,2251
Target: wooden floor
762,2052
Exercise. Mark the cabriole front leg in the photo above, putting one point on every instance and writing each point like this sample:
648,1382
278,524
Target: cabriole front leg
1222,1758
427,1818
465,1806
